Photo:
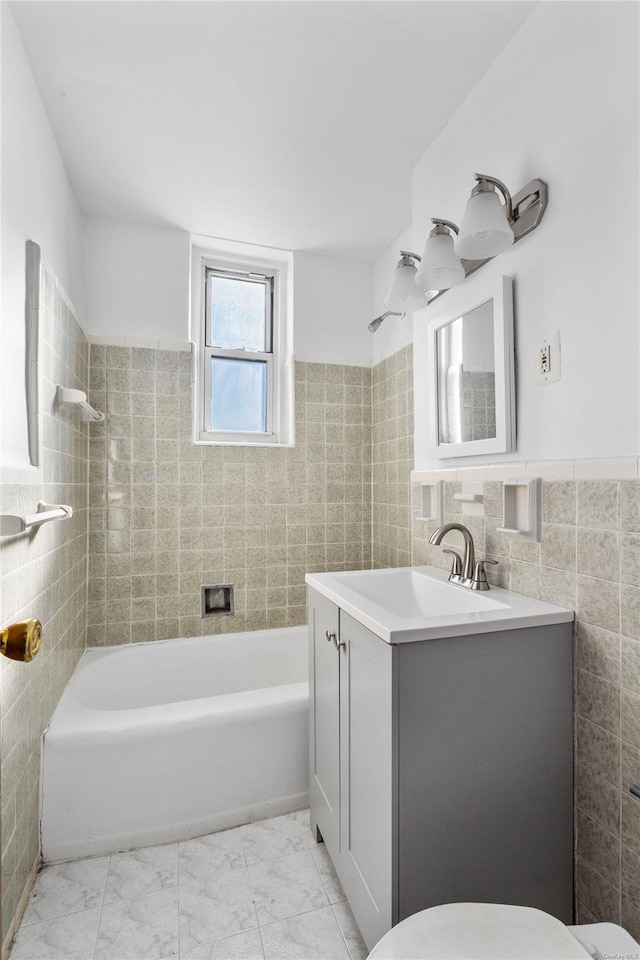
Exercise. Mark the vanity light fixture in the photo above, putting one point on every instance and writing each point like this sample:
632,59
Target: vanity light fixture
405,296
488,227
440,268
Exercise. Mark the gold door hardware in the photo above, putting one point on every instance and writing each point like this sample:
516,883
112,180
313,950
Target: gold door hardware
21,641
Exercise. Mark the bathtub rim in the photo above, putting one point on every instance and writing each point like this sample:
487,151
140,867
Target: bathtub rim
72,716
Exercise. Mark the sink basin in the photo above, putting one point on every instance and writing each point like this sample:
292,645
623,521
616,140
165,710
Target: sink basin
409,593
419,603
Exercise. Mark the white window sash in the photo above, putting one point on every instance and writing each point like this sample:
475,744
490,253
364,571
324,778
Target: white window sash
235,436
267,280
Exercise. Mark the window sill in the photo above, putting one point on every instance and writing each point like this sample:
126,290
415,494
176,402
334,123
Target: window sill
244,443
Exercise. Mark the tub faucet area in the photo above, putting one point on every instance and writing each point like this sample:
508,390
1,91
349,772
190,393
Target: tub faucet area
466,572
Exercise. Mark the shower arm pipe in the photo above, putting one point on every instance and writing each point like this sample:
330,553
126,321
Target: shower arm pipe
373,326
12,524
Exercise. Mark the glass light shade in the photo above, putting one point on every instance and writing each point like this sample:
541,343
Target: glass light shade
485,230
440,267
405,296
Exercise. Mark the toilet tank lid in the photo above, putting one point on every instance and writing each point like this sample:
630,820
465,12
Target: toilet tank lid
479,931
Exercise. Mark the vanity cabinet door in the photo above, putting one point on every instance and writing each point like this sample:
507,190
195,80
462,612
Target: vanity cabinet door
324,720
367,714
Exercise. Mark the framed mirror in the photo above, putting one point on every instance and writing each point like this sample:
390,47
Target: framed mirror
471,367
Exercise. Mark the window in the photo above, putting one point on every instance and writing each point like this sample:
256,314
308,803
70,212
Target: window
243,389
238,350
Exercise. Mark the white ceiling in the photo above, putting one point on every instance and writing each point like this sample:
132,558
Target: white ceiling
289,124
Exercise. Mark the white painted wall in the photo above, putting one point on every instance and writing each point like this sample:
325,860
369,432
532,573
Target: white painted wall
137,280
332,306
37,204
559,103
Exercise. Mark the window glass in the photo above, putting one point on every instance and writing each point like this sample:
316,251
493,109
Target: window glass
238,395
238,314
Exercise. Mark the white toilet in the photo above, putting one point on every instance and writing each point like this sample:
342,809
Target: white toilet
493,931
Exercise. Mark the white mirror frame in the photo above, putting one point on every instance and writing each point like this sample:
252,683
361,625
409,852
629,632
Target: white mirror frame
501,292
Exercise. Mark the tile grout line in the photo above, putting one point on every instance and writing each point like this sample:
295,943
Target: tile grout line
104,893
178,897
255,908
341,930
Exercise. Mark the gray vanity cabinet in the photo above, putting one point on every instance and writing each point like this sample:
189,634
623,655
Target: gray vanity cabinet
352,759
441,770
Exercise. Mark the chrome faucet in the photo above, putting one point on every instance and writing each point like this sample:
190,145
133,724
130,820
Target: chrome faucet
467,572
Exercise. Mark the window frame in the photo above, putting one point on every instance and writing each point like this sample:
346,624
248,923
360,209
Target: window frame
268,280
278,358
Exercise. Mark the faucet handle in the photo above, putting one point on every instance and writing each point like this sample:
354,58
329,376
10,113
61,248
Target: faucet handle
480,575
456,563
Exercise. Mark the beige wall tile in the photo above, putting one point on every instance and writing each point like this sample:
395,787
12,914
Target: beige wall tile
630,559
598,701
598,603
630,505
630,611
558,547
557,586
631,823
630,875
598,504
224,514
599,554
631,918
600,898
630,710
598,798
598,651
600,849
598,750
630,665
559,502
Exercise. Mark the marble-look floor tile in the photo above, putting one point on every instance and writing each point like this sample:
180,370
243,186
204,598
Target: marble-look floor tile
314,936
350,931
139,928
216,907
66,938
302,816
207,856
141,871
286,887
273,838
327,873
242,946
67,888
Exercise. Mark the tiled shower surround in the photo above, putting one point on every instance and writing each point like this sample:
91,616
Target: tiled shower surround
44,575
589,560
167,516
392,450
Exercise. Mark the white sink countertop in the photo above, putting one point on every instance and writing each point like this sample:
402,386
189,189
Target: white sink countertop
419,603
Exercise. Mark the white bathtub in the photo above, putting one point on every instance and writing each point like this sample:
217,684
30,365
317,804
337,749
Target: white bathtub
156,742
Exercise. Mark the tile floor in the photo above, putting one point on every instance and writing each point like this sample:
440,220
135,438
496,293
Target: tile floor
264,891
